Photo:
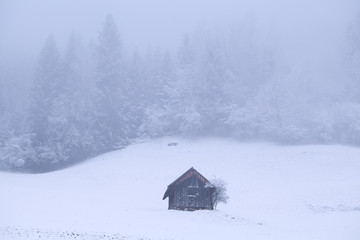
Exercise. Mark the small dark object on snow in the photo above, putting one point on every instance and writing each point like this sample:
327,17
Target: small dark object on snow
173,144
191,191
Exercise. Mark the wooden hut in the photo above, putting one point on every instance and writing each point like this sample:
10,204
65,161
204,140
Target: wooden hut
191,191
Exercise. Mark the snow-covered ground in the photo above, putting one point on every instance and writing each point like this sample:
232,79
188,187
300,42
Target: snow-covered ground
276,192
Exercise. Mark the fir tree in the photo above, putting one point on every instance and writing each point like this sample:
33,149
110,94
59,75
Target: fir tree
45,89
110,82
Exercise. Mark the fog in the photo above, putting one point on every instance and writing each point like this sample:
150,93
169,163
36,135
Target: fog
300,24
304,30
78,78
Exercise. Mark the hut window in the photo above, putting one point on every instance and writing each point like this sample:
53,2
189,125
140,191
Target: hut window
193,191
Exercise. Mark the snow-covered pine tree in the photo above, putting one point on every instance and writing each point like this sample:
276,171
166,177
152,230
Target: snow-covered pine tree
16,151
45,89
186,70
159,115
135,94
184,88
2,92
214,101
71,114
110,122
352,62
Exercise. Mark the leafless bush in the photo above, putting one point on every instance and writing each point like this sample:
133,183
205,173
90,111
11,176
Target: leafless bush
220,193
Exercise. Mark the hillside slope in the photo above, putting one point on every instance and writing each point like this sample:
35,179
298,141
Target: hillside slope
276,192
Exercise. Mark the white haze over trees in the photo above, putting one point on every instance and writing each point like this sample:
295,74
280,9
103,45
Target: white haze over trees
251,70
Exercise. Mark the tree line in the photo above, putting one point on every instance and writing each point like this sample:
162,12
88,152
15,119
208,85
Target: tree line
92,98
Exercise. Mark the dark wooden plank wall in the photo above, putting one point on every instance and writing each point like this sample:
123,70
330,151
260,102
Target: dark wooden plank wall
191,193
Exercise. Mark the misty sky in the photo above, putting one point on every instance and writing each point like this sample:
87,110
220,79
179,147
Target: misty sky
24,24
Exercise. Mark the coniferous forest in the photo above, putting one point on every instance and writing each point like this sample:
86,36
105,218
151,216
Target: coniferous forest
91,97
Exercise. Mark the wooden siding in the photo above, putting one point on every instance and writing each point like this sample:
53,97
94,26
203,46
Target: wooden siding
191,191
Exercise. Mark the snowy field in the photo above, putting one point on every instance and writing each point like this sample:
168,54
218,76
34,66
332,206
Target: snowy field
276,192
